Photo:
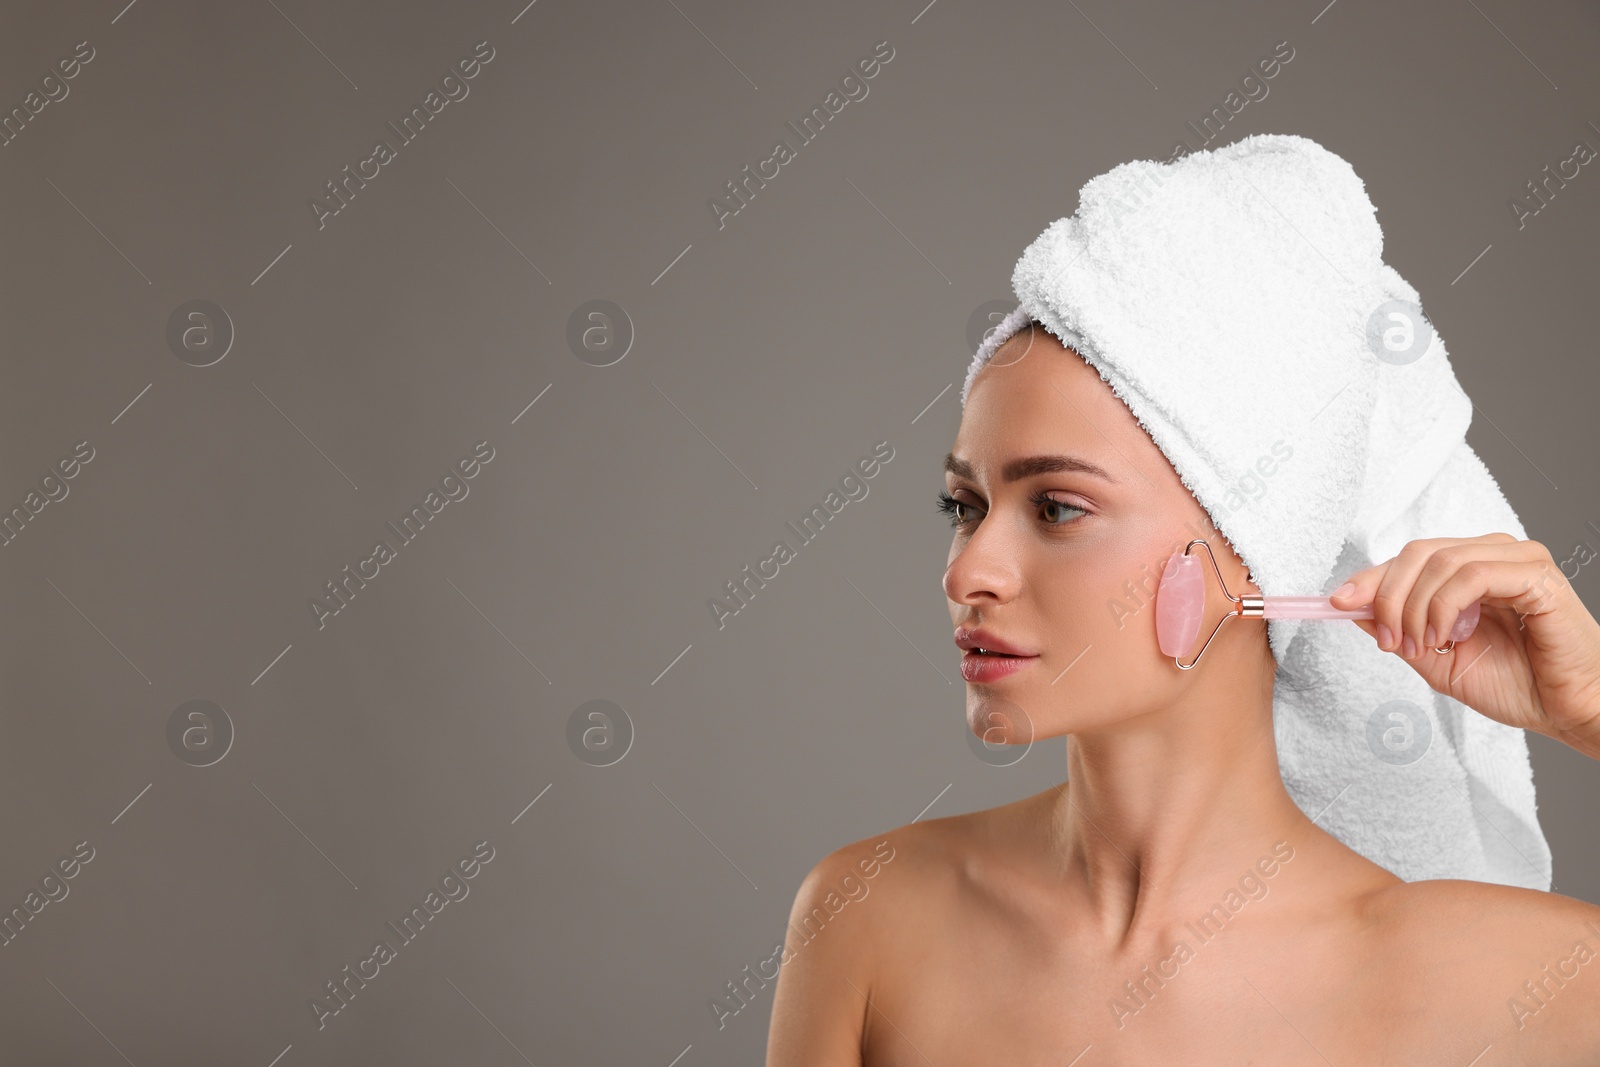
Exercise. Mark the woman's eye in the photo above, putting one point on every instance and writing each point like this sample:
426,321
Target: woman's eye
955,509
1054,508
1053,512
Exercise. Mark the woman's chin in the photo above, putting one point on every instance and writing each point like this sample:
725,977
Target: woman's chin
996,720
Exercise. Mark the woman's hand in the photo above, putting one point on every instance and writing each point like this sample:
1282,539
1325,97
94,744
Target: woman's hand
1534,660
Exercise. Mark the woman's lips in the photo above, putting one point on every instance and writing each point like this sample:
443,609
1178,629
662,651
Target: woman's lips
985,667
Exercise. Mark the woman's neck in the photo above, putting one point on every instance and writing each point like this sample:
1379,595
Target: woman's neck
1162,814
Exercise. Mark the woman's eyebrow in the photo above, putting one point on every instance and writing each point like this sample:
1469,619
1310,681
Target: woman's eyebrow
1028,466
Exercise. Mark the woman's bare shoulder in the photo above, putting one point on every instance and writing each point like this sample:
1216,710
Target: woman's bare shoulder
1484,919
1454,902
1529,956
918,852
923,865
854,915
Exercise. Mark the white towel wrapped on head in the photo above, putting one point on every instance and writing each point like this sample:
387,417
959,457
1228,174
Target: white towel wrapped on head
1237,297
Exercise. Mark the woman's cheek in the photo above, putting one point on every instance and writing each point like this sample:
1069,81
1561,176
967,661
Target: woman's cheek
1124,601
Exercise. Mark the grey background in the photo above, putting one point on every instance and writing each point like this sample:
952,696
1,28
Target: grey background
372,354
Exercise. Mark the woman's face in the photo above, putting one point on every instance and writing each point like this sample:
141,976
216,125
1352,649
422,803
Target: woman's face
1053,558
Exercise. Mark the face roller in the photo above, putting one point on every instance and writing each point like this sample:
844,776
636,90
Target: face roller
1181,603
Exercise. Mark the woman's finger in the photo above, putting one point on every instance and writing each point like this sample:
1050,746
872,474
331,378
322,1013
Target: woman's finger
1522,577
1435,601
1388,586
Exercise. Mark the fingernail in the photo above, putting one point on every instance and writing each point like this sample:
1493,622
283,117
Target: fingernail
1430,638
1345,590
1408,648
1384,637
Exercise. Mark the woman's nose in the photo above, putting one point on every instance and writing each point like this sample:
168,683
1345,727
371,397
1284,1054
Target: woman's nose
984,567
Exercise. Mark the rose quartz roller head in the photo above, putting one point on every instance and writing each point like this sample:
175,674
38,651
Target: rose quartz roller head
1181,603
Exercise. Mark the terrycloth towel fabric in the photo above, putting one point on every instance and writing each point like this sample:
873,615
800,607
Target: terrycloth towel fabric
1235,299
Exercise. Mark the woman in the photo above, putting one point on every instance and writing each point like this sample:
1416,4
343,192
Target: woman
1170,902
